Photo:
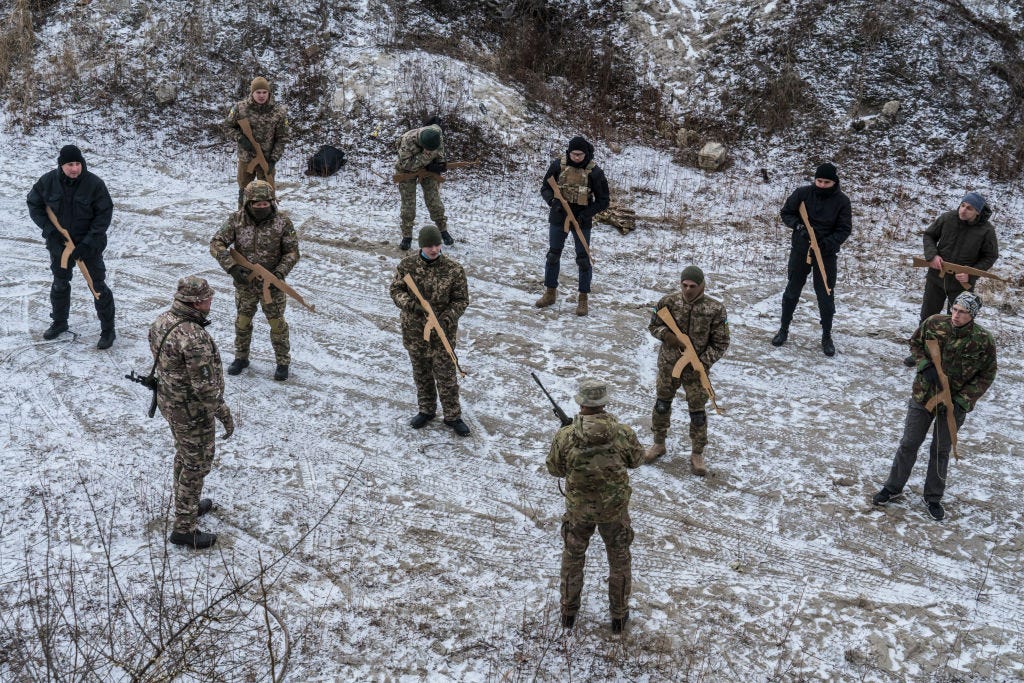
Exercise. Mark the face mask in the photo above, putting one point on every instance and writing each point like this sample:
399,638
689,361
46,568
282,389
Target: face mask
261,214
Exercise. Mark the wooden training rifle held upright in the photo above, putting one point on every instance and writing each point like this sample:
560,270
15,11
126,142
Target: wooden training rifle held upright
424,173
259,159
953,268
69,247
814,248
689,356
433,324
570,219
944,397
267,278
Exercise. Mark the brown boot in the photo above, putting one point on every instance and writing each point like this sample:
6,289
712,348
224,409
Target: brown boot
697,464
581,305
547,298
654,452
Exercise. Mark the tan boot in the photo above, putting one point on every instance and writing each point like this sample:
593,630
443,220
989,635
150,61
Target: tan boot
581,305
547,298
654,452
697,464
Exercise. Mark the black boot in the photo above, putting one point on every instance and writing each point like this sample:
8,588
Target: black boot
780,337
910,361
56,328
405,244
568,620
205,505
420,420
619,624
460,427
827,347
106,339
281,373
237,365
447,238
193,539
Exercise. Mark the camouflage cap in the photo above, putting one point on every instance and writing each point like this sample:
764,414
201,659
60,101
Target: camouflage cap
259,191
593,393
193,289
430,138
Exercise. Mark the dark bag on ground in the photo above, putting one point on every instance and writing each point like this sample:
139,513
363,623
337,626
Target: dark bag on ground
326,161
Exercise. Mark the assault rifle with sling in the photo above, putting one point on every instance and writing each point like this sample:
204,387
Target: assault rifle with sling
150,381
950,268
556,409
424,173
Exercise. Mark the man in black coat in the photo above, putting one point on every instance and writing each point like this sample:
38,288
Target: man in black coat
828,211
83,207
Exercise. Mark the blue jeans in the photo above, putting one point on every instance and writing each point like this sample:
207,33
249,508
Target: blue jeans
556,242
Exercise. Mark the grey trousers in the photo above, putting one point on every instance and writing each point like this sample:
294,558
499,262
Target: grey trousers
915,430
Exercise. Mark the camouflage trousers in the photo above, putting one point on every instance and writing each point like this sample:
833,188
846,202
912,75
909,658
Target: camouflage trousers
193,457
696,398
617,536
431,197
434,373
247,299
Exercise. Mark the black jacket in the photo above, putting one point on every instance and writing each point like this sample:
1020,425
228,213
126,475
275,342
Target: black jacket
967,244
83,207
584,214
830,216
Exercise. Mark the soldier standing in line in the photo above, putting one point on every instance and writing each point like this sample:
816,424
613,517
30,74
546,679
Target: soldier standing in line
82,205
968,356
964,237
583,185
828,211
269,123
190,395
442,282
704,321
593,454
421,148
264,236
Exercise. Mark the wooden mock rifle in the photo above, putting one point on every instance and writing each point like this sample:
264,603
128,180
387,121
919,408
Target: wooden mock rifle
944,397
268,278
423,173
954,268
69,247
570,219
259,159
815,248
433,324
689,356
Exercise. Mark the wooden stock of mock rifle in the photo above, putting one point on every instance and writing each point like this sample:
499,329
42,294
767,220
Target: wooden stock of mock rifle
69,247
570,219
944,396
433,324
689,357
267,279
814,248
424,173
259,159
950,268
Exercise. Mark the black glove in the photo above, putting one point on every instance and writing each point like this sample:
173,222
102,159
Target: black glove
671,341
930,374
436,166
416,307
270,167
278,274
239,274
447,319
81,251
244,143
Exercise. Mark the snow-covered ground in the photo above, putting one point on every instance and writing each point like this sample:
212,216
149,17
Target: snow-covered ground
440,559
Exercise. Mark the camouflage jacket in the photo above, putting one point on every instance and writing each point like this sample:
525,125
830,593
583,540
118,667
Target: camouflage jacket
442,282
968,358
593,454
703,321
272,243
269,124
189,371
412,157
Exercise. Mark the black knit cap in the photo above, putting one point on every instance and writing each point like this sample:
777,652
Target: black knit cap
68,154
828,172
579,144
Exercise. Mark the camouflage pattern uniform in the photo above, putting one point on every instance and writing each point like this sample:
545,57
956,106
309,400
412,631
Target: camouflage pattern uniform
704,322
190,394
269,122
969,361
593,454
271,243
442,282
413,157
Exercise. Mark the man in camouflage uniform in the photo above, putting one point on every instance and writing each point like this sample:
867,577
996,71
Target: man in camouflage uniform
421,148
269,122
583,185
442,282
593,454
266,237
190,395
969,361
704,321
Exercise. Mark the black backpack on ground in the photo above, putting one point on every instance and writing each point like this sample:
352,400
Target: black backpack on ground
325,162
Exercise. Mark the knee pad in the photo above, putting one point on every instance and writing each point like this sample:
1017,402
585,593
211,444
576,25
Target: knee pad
277,325
60,286
243,322
698,418
584,263
662,407
553,256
